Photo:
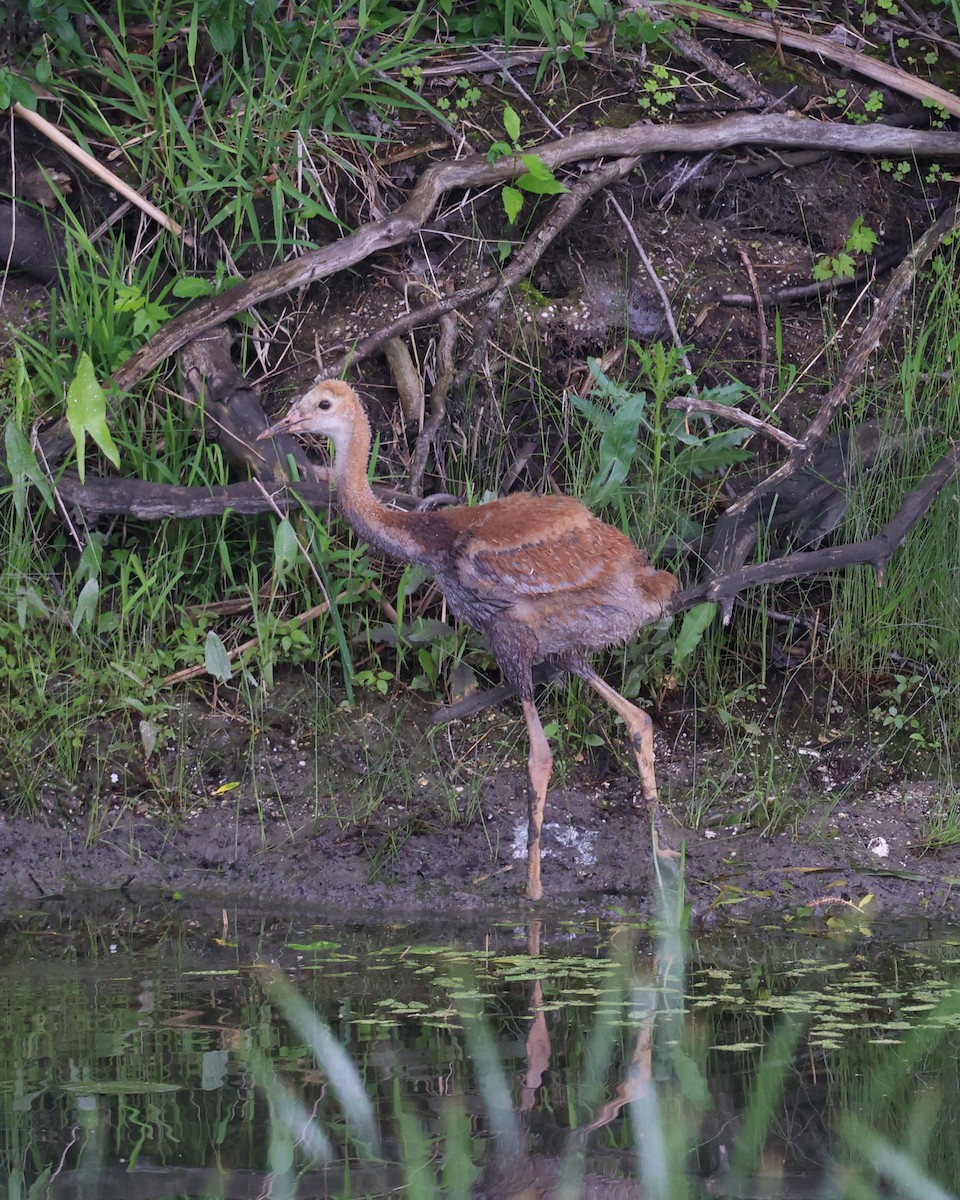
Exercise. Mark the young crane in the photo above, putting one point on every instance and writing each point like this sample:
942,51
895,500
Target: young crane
538,575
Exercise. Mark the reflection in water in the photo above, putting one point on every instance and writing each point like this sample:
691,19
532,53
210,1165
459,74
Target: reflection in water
144,1057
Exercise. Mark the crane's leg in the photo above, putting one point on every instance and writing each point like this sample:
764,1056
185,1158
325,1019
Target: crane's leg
640,728
539,765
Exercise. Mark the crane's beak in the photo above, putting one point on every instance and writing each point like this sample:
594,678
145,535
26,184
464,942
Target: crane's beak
291,423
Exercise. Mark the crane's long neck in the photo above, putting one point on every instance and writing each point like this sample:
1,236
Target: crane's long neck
393,532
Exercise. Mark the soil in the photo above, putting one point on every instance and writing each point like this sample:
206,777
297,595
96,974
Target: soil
371,815
363,811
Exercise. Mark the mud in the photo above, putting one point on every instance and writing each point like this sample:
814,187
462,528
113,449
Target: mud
369,812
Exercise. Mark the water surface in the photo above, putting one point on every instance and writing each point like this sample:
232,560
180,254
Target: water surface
148,1052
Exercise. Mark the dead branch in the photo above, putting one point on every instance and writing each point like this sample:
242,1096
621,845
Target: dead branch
695,405
520,266
735,535
163,501
876,265
438,402
853,60
874,552
749,91
789,131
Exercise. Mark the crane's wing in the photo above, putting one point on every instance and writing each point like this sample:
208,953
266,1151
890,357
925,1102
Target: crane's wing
524,546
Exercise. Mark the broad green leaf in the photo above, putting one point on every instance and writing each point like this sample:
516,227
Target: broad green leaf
606,386
191,286
618,448
844,266
286,548
536,166
215,658
598,417
695,624
539,179
87,414
24,468
715,453
512,202
537,186
511,123
86,608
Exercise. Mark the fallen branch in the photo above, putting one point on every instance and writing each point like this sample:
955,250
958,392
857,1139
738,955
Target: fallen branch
781,131
692,404
563,212
853,60
734,535
874,552
199,669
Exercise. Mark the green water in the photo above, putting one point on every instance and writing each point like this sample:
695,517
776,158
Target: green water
146,1053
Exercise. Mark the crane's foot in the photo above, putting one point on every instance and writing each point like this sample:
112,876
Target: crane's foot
666,856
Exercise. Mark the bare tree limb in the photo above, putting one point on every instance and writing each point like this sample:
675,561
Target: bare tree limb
874,552
733,534
436,181
692,404
854,60
519,267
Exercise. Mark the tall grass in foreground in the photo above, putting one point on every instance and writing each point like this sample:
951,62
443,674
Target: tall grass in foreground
883,1137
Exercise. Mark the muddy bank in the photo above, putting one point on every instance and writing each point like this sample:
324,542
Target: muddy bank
368,816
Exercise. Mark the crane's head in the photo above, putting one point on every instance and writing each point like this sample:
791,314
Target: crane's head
329,408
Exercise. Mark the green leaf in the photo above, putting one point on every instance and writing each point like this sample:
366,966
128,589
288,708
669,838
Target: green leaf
286,548
223,34
24,468
598,417
87,414
511,123
512,202
215,658
86,608
695,624
536,166
539,179
844,266
541,187
862,239
715,453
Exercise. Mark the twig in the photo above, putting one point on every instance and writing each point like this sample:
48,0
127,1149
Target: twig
694,404
438,402
658,285
504,70
853,367
874,552
238,651
411,320
68,146
803,291
520,266
394,230
761,322
704,57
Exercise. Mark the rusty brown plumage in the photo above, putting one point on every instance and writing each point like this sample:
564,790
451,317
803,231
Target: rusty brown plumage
542,577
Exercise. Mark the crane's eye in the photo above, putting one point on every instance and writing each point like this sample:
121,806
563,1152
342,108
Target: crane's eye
324,404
